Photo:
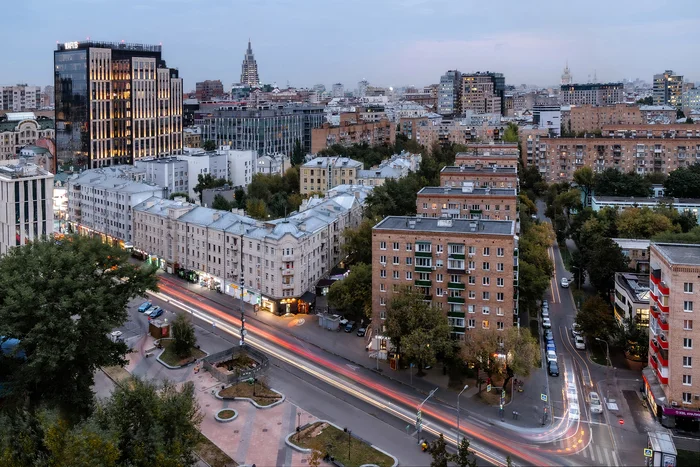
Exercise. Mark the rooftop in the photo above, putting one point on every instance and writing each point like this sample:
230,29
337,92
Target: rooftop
644,201
324,162
117,177
678,253
107,45
637,285
21,170
474,169
434,224
466,190
632,243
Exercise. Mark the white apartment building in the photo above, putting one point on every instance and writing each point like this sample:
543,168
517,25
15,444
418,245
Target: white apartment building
272,164
26,204
100,202
202,163
241,165
20,97
397,166
170,173
277,262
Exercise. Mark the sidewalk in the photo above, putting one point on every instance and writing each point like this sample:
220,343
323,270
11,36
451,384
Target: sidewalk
352,349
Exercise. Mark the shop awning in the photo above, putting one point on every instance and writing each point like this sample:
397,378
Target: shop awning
308,297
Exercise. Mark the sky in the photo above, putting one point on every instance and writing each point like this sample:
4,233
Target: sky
388,42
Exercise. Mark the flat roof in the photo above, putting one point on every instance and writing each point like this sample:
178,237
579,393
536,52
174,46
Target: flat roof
473,169
645,201
457,191
632,243
637,285
446,225
679,253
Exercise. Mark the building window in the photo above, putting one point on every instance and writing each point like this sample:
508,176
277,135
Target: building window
687,380
485,280
382,287
382,273
499,267
485,324
409,261
486,266
687,324
409,247
382,259
382,315
409,275
487,251
500,282
687,343
382,245
382,301
486,295
687,362
499,296
499,251
472,280
470,309
485,310
396,260
499,325
472,294
438,277
471,323
396,275
687,398
688,287
438,292
396,246
499,311
687,306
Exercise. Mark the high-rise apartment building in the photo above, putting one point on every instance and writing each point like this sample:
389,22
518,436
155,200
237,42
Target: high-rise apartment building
468,202
338,90
466,268
672,379
249,68
20,98
362,88
668,89
588,118
450,93
489,155
483,92
115,103
591,93
26,205
209,89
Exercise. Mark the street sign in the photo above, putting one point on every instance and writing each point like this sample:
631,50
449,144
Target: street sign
648,453
488,388
419,416
543,397
503,394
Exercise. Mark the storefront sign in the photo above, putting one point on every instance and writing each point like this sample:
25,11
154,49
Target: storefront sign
681,412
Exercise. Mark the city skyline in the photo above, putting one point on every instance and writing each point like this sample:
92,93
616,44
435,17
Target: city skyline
528,46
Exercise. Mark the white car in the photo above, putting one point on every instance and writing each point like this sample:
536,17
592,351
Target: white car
580,343
545,304
551,356
575,330
565,282
546,323
574,413
571,393
545,312
596,405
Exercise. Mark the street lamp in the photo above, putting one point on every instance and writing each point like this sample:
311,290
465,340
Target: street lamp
580,273
460,393
419,416
607,368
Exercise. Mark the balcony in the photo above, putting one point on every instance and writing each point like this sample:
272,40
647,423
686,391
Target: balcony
456,256
287,286
459,300
660,371
456,286
423,268
287,272
423,254
421,283
663,288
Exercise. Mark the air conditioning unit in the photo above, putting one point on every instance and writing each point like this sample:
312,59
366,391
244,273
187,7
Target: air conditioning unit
674,404
434,268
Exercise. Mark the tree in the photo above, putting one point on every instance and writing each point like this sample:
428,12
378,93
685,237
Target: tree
689,121
595,319
240,197
510,135
297,154
205,181
61,299
686,221
395,197
154,425
649,100
692,236
221,203
684,182
643,223
180,195
531,180
209,145
183,335
584,178
522,351
358,242
256,208
438,451
632,337
528,206
612,182
463,457
478,349
606,259
352,296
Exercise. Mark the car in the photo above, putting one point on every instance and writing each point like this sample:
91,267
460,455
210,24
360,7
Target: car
157,312
551,356
575,330
343,322
596,405
552,368
571,393
574,413
534,217
545,304
580,343
548,335
545,312
144,306
361,332
550,346
546,323
349,326
550,341
565,283
152,310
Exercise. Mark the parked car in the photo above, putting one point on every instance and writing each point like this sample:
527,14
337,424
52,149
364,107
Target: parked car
596,405
571,392
546,323
361,332
575,330
144,306
550,346
580,343
548,335
550,341
152,310
574,413
157,312
545,312
565,282
552,368
545,304
349,326
343,322
551,356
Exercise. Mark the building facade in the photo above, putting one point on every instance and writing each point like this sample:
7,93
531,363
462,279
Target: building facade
482,177
668,89
636,251
20,130
588,118
348,133
209,89
468,269
483,93
489,155
591,94
26,205
115,103
20,98
170,173
621,203
672,379
214,163
449,100
249,69
691,100
547,117
323,173
632,298
468,202
338,90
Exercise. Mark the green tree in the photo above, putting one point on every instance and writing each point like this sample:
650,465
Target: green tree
352,296
61,299
205,181
183,335
464,457
595,319
527,205
240,197
394,197
606,258
358,242
522,352
180,195
686,221
684,182
692,236
511,133
643,223
632,337
646,101
297,153
531,180
689,121
612,182
256,208
584,178
478,349
209,145
221,203
438,451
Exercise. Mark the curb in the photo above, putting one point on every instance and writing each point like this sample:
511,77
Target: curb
255,404
305,450
170,367
226,420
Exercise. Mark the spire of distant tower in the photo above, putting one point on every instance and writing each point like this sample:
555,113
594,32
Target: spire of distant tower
566,76
249,68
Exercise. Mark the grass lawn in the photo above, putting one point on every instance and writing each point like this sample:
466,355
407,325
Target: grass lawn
566,257
327,438
535,331
212,455
598,353
228,413
687,458
169,356
263,394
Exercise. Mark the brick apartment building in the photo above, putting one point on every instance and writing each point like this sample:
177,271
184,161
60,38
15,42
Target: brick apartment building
499,154
672,379
468,202
349,133
466,268
638,148
594,117
492,177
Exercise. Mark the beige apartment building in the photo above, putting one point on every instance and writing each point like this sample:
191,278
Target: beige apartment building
349,133
498,154
636,251
278,262
466,268
593,117
638,148
492,177
323,173
672,379
468,202
22,129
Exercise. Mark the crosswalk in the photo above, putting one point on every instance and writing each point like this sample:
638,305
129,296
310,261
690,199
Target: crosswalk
598,455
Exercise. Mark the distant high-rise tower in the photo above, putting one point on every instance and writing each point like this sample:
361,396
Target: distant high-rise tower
450,93
362,88
249,68
566,77
668,88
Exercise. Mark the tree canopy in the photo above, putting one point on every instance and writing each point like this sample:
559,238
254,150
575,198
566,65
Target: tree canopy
352,296
62,299
205,181
612,182
358,242
684,182
183,335
643,223
209,145
510,135
595,319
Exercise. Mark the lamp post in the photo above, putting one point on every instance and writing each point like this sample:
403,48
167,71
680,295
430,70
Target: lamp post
458,412
419,416
579,275
607,368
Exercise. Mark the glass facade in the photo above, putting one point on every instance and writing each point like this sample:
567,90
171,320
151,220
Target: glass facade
71,88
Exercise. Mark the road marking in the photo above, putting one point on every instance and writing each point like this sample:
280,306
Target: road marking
352,367
590,448
607,457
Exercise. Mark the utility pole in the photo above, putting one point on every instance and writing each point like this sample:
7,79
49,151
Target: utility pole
458,413
243,329
419,414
